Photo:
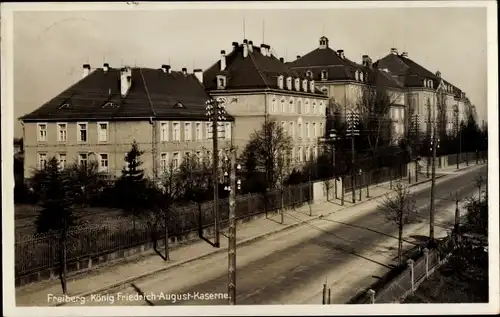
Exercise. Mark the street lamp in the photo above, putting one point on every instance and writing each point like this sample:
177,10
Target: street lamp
352,122
332,137
216,112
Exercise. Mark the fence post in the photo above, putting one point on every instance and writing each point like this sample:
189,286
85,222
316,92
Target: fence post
410,266
324,294
371,293
426,253
329,296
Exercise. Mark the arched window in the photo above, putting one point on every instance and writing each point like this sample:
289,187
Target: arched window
314,107
321,111
324,75
297,84
289,83
274,105
280,82
306,108
283,108
291,106
299,106
309,74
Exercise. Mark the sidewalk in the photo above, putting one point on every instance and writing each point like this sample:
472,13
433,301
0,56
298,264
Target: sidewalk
111,276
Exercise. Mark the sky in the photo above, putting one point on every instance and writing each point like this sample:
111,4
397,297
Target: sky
51,46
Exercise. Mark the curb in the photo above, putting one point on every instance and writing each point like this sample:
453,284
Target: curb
220,250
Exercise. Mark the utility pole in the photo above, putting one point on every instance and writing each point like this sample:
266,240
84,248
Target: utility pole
435,146
233,186
352,121
216,112
416,127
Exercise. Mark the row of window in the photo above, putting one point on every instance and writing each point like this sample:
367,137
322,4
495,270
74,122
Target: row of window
224,130
82,132
62,159
306,85
304,108
311,129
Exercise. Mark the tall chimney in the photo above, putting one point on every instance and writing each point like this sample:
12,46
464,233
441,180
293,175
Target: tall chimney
367,61
105,67
86,70
125,80
222,60
199,74
245,48
394,51
235,46
250,46
282,59
263,49
404,54
184,71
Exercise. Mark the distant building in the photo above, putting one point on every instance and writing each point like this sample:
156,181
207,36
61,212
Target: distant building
256,86
423,88
347,82
101,115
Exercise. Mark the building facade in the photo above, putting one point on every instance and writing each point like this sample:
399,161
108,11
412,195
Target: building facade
346,83
100,116
257,87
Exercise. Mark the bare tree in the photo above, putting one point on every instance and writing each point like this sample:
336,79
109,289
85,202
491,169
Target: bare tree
480,180
398,207
283,170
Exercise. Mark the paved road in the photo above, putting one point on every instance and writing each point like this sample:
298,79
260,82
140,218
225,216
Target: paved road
347,252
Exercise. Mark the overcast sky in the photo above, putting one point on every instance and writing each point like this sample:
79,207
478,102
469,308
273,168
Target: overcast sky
50,47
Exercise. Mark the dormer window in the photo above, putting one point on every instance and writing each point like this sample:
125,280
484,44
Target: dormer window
311,84
110,104
297,84
289,83
324,75
179,105
361,76
221,82
65,106
280,82
356,75
304,85
309,74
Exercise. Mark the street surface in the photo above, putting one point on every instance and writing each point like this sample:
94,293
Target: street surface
347,252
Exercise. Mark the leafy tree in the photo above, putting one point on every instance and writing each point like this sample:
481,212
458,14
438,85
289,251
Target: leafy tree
399,208
132,186
57,209
89,182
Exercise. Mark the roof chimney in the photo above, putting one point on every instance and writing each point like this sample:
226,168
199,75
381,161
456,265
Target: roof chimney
404,54
222,60
367,61
298,56
268,50
282,59
105,67
263,49
125,80
184,71
394,51
438,73
245,48
235,45
199,74
250,46
86,70
165,68
340,53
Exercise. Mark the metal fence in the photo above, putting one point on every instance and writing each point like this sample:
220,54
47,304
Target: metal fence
375,177
41,251
467,157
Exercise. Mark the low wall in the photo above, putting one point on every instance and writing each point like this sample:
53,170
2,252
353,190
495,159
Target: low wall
85,264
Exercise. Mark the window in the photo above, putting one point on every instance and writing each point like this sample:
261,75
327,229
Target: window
164,131
176,135
283,126
304,85
175,160
62,132
187,131
82,132
297,84
199,155
315,132
291,106
308,131
314,107
315,152
301,155
42,132
227,130
357,75
102,131
42,161
293,155
163,162
321,131
301,133
82,159
280,82
273,105
299,107
103,162
199,132
361,76
221,82
311,84
292,129
62,160
309,74
289,83
208,126
306,108
283,108
324,75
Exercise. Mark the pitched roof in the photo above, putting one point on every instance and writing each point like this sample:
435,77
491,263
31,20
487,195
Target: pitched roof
153,93
256,71
326,59
411,73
